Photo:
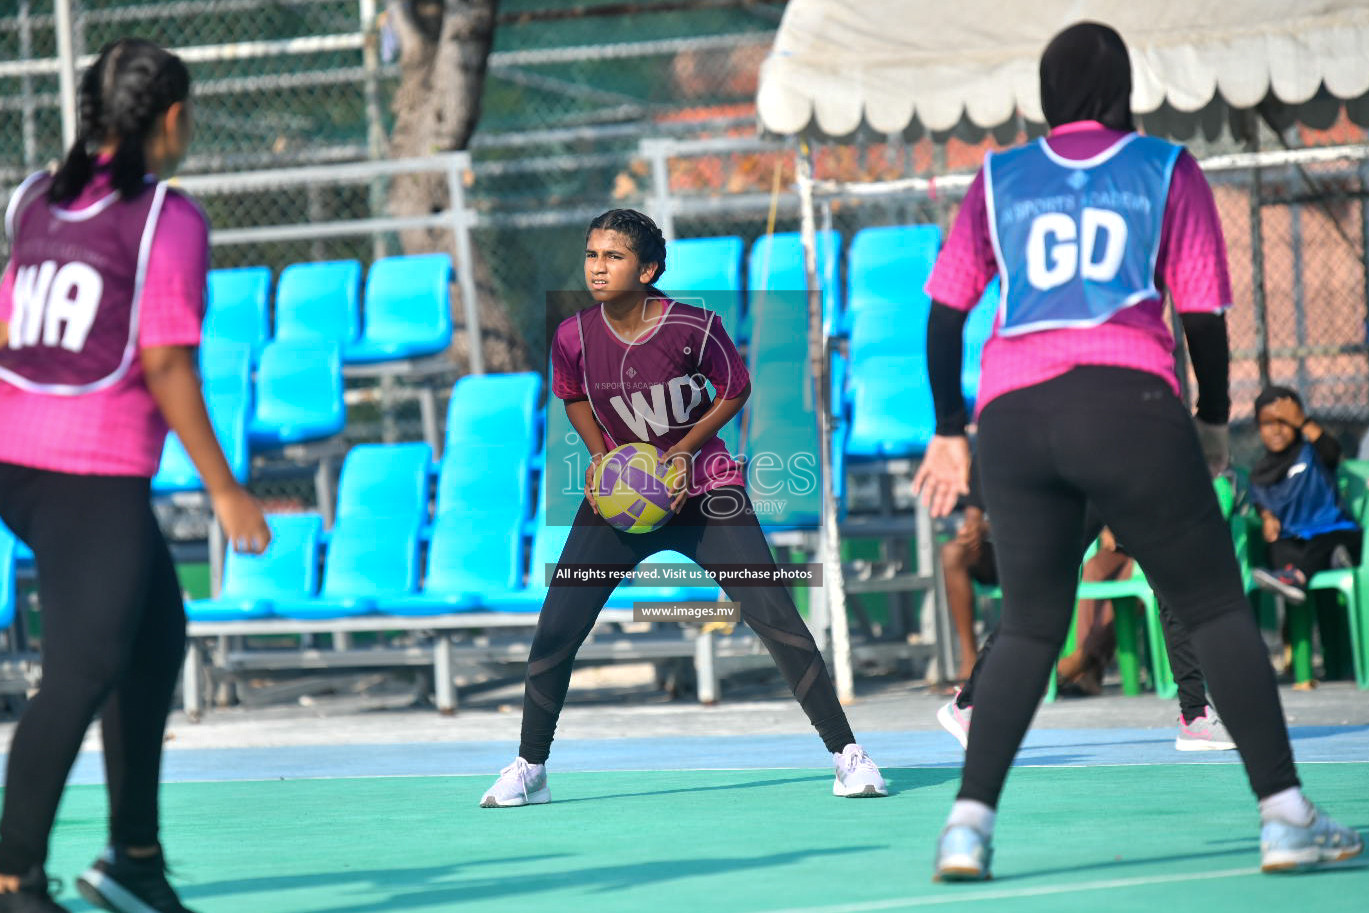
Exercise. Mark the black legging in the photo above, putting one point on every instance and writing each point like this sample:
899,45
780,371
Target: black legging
716,528
1121,440
113,641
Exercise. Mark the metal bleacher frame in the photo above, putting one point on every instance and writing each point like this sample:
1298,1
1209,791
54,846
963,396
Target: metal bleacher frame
463,637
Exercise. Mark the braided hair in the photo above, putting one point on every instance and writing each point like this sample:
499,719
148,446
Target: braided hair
645,238
121,96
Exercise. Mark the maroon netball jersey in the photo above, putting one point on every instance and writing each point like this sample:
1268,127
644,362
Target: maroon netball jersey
655,388
78,279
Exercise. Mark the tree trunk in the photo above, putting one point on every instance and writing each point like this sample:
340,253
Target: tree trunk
444,47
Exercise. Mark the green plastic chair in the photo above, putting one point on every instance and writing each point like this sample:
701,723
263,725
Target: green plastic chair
1128,596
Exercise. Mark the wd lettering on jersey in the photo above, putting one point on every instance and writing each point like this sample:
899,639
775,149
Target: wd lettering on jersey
649,410
1076,241
55,305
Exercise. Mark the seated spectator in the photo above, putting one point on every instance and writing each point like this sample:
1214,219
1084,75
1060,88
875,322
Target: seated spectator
1293,486
965,560
1095,628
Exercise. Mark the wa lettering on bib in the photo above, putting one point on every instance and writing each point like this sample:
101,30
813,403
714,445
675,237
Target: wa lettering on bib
1076,241
78,278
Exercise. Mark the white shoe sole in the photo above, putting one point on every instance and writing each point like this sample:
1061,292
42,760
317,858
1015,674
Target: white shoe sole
1195,745
868,791
107,894
960,868
1303,859
1269,582
536,797
946,718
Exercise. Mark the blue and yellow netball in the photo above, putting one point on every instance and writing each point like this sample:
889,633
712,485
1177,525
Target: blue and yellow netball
632,486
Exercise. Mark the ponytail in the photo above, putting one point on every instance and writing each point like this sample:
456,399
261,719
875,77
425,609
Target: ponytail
128,170
122,94
72,177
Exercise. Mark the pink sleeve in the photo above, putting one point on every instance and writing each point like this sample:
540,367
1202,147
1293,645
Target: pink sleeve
7,292
567,380
173,301
967,263
720,362
1192,262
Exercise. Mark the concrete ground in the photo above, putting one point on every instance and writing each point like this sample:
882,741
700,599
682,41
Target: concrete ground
622,701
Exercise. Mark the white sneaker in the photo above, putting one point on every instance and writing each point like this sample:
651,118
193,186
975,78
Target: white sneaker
962,854
857,775
956,720
520,783
1204,733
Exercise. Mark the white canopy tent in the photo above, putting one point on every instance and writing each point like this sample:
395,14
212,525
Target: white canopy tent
970,67
910,65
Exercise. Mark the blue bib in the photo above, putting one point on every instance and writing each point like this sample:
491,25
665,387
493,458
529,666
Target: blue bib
1076,241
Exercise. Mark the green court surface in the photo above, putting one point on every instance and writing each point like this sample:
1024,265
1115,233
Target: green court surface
1142,838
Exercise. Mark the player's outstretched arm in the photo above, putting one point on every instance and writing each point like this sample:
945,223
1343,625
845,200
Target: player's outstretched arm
171,379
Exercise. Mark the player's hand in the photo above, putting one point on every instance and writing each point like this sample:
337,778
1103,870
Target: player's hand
243,522
590,495
944,474
1289,412
1107,541
679,488
1216,443
1272,528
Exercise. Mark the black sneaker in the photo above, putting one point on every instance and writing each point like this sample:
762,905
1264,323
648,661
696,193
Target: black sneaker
1341,558
122,884
33,895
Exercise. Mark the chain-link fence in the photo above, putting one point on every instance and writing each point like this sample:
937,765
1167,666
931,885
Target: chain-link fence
645,109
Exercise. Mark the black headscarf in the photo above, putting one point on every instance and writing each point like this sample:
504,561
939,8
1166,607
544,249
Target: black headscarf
1271,467
1086,75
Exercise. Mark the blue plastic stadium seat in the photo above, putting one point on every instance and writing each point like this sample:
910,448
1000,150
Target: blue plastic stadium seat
288,569
891,413
782,447
319,301
472,556
547,543
882,328
9,546
708,272
496,409
369,560
481,477
890,265
239,307
298,393
408,310
226,369
385,481
775,263
978,329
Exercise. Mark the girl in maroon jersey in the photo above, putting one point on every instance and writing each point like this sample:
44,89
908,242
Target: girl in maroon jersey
100,311
632,368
